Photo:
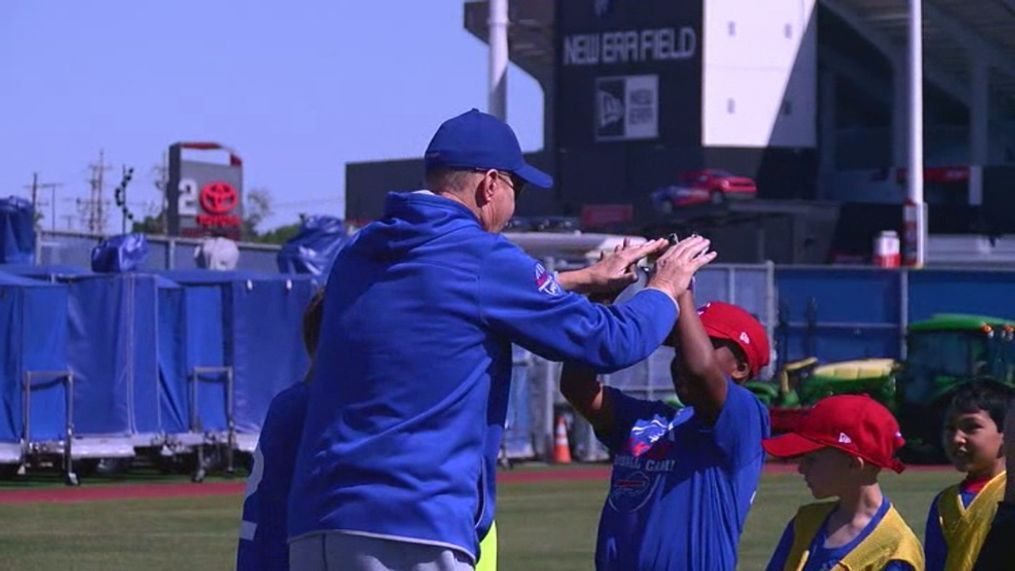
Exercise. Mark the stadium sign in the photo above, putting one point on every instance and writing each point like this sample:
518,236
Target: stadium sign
204,198
628,71
627,107
630,46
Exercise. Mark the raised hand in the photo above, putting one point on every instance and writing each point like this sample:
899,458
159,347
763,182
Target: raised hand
675,268
613,272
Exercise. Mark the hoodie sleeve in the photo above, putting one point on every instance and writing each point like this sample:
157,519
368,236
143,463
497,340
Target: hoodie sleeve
521,300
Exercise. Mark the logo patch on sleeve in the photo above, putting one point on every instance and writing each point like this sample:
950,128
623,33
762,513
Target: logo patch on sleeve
546,282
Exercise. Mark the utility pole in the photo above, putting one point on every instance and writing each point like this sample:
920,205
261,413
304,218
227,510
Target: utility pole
93,209
36,187
35,190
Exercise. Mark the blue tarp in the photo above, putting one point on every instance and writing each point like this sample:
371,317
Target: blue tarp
314,248
33,317
17,231
123,253
251,322
172,366
114,326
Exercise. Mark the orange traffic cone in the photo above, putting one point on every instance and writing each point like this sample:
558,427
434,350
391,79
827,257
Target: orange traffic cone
561,449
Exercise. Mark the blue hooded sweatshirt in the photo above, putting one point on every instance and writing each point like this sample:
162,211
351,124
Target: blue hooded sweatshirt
410,389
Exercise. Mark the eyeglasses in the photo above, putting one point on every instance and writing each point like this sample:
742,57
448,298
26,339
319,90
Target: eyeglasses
516,184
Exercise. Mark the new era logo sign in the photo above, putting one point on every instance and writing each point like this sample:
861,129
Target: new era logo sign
844,438
745,338
627,107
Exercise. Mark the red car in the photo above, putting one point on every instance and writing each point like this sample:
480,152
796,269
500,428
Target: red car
703,187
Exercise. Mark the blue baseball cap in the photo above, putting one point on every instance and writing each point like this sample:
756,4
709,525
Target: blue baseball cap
477,140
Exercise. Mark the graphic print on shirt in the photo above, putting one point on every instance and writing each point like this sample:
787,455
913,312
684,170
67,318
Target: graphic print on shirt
546,282
641,467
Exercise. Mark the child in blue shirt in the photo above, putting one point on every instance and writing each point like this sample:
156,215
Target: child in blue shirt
263,541
998,551
960,516
683,480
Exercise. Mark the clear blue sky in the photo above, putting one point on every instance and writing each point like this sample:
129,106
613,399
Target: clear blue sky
297,88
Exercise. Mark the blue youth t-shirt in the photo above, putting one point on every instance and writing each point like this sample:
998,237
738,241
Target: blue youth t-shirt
680,489
263,532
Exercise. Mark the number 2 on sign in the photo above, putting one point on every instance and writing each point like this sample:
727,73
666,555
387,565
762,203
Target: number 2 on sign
188,200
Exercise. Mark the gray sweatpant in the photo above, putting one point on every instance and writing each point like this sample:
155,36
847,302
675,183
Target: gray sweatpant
334,551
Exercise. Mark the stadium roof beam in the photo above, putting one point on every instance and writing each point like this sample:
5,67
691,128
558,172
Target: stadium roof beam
863,78
982,47
957,34
943,80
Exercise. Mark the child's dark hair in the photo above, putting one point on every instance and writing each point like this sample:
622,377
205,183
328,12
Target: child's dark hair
312,317
987,395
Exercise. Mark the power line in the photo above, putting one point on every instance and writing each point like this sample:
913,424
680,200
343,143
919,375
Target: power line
92,210
308,201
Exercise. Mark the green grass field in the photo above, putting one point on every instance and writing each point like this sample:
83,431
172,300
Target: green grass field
542,526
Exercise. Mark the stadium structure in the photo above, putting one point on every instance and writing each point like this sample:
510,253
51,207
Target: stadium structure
811,99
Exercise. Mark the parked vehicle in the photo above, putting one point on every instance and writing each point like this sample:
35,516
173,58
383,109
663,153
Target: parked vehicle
703,187
943,353
802,383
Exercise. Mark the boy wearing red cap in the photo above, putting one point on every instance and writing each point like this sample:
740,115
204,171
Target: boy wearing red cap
842,445
683,480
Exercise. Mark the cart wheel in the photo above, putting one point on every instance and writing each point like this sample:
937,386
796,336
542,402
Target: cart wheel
87,467
9,471
113,467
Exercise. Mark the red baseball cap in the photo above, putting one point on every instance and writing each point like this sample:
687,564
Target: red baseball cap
730,322
856,424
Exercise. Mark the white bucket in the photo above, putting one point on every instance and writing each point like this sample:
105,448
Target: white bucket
886,250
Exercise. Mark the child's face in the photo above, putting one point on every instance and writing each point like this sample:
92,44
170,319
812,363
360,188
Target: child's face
826,471
973,442
725,357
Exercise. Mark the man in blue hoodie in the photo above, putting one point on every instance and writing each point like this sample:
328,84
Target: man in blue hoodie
396,462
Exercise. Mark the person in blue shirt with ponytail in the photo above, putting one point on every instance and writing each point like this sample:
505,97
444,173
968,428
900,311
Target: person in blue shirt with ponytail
263,544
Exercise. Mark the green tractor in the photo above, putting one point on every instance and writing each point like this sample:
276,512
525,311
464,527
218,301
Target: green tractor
943,352
802,383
